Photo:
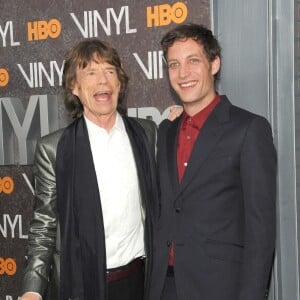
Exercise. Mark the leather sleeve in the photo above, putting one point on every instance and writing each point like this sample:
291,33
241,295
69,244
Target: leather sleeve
43,226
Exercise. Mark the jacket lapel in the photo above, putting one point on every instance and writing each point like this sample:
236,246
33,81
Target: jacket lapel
208,138
172,140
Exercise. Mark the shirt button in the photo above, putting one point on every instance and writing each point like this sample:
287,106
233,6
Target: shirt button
188,137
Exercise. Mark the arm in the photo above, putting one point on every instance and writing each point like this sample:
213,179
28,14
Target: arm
258,177
42,233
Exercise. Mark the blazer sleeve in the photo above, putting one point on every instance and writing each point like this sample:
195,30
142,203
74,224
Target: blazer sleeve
42,232
258,179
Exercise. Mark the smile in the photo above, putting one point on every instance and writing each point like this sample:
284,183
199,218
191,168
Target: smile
103,96
188,84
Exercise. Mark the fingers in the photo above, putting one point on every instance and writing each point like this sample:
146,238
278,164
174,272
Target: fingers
175,112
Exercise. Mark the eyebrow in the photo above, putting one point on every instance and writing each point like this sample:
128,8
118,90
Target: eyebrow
109,67
175,59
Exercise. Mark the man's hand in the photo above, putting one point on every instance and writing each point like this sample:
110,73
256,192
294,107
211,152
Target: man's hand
175,112
30,296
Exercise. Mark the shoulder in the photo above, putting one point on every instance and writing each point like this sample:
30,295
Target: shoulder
252,126
54,138
250,119
46,146
50,141
148,126
145,128
51,138
239,115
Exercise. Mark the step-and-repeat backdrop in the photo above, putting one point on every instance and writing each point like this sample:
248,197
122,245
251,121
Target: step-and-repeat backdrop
34,36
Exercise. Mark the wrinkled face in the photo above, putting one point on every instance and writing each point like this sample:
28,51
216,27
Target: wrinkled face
191,74
97,86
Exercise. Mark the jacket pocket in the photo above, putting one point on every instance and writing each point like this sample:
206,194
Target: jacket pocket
225,251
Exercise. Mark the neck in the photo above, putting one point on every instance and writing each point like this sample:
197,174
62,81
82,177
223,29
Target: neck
192,108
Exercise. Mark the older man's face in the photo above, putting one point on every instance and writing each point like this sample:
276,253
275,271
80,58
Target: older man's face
98,87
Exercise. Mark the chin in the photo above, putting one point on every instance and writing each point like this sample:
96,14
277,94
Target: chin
187,101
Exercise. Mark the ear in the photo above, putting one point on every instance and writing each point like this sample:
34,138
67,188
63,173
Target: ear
75,89
215,65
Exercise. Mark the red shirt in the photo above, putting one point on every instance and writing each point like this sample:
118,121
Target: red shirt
190,128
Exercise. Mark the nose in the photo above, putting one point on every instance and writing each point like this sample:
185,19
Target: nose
184,70
102,78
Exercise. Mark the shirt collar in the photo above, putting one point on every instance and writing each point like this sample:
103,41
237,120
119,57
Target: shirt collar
94,129
199,118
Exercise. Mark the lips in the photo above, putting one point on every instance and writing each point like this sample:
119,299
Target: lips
102,95
188,84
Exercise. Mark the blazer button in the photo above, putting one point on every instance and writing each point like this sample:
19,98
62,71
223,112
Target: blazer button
178,210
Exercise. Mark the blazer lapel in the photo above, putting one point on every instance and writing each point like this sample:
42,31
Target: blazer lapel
210,134
172,139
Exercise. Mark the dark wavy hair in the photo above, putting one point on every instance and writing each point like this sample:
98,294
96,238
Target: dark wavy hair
80,56
199,33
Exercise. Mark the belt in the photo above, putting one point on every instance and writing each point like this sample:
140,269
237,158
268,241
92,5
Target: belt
124,271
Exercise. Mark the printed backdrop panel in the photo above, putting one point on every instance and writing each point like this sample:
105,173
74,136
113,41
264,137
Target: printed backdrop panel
34,36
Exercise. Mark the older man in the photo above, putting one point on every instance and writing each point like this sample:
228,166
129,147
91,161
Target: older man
94,181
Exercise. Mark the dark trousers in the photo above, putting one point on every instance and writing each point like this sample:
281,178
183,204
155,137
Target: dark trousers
169,291
130,288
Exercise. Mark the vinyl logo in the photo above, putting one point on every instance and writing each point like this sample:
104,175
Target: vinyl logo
6,185
4,77
7,35
8,266
164,14
41,30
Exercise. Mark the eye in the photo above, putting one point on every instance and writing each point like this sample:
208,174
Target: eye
173,65
110,71
194,61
